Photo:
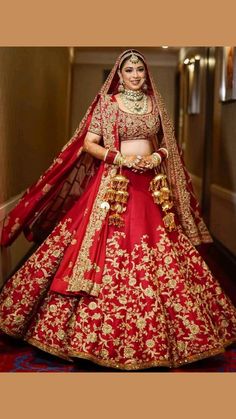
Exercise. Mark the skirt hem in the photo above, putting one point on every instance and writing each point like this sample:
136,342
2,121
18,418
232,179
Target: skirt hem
117,365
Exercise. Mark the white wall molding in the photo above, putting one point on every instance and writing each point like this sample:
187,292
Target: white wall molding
7,206
10,256
223,193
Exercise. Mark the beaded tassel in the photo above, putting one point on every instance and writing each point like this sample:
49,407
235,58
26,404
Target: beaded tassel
117,196
162,196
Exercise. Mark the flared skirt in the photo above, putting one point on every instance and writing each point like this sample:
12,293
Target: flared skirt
159,304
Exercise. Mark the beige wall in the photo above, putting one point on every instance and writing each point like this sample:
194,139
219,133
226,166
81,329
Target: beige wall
86,82
33,119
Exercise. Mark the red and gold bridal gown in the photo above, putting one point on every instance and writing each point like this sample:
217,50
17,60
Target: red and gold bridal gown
158,304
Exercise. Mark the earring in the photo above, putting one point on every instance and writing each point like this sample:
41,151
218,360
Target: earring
121,88
144,87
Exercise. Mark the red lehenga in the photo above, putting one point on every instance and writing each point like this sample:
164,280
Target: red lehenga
130,297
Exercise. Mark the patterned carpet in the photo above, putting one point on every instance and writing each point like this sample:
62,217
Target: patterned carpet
18,356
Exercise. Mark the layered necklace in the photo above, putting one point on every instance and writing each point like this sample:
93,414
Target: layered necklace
135,101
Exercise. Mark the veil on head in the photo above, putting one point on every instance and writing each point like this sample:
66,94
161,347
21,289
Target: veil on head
112,82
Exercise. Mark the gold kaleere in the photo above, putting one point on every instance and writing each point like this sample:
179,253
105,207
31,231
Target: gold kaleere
162,196
117,196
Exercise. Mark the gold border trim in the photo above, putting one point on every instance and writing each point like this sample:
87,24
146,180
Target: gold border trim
116,365
137,366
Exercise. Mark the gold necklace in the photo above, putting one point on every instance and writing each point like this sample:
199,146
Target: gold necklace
135,101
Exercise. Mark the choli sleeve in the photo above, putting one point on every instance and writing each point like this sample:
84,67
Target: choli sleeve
95,125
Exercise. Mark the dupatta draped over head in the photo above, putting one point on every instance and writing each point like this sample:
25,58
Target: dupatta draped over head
47,201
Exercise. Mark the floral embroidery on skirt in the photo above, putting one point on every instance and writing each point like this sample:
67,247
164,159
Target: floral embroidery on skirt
158,305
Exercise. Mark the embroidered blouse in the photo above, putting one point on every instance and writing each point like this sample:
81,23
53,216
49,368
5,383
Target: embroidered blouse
130,126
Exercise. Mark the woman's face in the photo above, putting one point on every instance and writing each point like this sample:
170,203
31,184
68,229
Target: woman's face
133,75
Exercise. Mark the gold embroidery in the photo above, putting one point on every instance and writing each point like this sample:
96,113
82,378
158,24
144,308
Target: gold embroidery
109,116
160,319
46,188
95,125
17,298
197,232
131,126
83,264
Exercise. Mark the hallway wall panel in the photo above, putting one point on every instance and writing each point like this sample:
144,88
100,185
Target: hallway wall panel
33,117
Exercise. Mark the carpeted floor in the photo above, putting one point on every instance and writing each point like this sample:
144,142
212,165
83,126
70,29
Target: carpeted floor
18,356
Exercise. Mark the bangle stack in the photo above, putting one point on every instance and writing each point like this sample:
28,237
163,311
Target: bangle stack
163,152
113,157
110,156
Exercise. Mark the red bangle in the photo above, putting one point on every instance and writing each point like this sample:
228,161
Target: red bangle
163,153
110,157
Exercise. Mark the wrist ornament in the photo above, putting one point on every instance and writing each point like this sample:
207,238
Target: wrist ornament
156,159
113,157
119,159
163,152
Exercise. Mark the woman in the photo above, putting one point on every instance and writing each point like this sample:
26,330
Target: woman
117,278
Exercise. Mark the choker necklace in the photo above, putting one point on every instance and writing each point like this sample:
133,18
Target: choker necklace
133,95
135,101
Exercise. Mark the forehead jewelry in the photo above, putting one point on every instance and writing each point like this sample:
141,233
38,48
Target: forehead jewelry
135,57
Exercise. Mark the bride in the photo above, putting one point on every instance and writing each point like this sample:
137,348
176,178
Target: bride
117,278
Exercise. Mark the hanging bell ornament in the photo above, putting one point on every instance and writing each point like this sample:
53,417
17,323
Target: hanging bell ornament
161,196
117,196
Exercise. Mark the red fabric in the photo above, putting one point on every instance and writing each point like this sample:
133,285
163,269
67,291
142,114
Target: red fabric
158,304
80,218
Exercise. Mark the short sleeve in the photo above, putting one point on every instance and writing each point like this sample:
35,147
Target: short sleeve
95,125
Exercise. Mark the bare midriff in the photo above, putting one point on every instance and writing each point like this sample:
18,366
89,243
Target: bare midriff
142,147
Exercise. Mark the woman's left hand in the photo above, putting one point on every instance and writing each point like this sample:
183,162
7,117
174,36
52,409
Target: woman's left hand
145,163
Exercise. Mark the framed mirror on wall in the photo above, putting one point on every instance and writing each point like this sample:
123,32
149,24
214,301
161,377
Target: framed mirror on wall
228,74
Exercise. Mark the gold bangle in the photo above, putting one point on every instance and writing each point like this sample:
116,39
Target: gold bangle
156,158
119,159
